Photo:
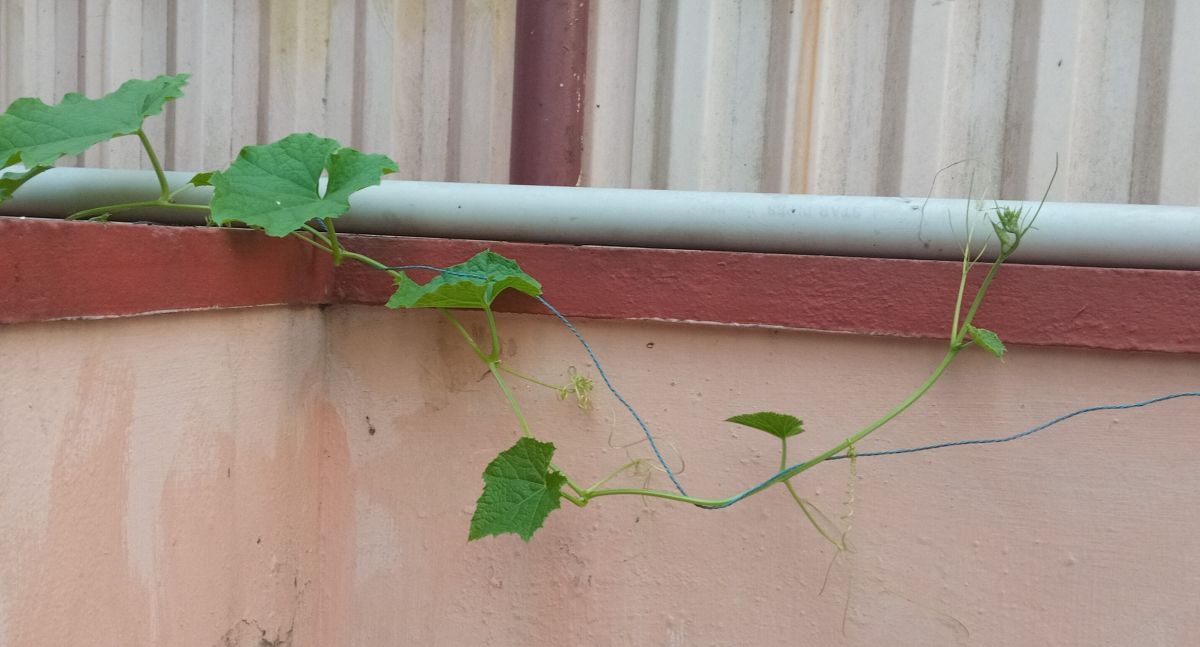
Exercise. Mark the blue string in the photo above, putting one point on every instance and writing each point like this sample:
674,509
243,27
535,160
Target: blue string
612,389
770,481
985,441
1027,432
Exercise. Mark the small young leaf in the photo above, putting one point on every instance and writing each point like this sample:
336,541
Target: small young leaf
202,179
1010,219
987,340
473,284
275,186
1002,235
519,491
780,425
36,134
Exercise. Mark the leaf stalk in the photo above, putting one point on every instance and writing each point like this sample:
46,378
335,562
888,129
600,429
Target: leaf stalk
164,189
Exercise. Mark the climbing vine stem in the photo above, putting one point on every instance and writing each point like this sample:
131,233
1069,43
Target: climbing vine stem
278,189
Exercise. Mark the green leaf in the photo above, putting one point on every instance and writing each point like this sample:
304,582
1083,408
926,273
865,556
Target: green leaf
1002,235
987,340
276,186
473,284
202,179
780,425
36,134
519,491
10,181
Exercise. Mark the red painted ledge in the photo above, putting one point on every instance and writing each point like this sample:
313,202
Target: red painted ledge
50,269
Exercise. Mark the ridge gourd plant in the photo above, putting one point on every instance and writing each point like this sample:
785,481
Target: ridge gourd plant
277,189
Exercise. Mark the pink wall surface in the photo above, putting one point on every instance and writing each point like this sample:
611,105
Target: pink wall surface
159,479
142,460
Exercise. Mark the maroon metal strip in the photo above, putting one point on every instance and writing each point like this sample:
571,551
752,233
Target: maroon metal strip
1048,305
50,269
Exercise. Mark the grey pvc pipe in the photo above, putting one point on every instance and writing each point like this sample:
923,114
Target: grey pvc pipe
1106,235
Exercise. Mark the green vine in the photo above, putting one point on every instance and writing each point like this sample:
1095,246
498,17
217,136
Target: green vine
276,188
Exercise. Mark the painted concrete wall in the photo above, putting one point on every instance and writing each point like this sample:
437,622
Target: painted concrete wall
159,479
142,461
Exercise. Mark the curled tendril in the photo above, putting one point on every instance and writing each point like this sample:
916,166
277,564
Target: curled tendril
580,386
848,516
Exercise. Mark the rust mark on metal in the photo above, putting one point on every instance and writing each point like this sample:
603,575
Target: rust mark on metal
550,66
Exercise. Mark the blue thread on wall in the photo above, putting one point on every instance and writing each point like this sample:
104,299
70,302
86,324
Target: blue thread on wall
1027,432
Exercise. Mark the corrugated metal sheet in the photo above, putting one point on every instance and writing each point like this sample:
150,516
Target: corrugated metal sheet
862,97
867,97
429,81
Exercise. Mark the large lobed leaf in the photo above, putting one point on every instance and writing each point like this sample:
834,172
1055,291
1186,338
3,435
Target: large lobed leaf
519,491
36,134
780,425
473,284
277,186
